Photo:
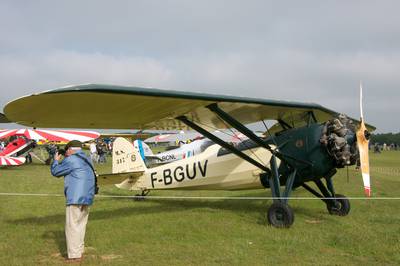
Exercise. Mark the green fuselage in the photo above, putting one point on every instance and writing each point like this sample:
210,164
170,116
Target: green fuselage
305,144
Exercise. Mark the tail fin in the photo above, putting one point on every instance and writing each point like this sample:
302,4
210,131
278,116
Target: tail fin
126,158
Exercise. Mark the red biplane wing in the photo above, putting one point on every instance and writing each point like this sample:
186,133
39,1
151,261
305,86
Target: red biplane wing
51,135
11,161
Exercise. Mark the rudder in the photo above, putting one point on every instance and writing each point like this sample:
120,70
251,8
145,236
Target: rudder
126,158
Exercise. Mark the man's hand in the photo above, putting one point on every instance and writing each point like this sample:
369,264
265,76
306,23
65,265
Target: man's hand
57,156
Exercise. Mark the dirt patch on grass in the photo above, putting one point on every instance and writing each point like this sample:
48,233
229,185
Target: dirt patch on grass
110,257
313,221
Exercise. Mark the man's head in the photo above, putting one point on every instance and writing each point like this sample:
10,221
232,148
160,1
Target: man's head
72,147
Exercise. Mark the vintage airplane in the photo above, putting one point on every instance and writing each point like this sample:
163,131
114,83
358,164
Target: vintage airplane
11,161
50,135
11,148
23,141
307,143
15,151
6,161
18,146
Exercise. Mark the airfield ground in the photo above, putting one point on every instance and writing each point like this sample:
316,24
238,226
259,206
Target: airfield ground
203,232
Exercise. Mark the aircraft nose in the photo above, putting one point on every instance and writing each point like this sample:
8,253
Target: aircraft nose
340,139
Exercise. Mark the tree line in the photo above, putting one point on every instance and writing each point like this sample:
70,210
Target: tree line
387,138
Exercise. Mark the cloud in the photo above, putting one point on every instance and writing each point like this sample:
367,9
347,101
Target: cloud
291,75
26,74
275,50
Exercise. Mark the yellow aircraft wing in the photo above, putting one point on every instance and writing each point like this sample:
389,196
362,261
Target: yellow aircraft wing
120,107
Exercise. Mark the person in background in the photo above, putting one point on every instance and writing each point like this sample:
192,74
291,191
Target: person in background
28,158
93,152
79,191
51,149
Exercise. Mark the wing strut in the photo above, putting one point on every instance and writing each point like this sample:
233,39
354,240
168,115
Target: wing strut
222,143
250,134
239,126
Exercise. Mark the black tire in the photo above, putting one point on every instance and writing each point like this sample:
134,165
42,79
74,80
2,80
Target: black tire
139,197
280,215
342,208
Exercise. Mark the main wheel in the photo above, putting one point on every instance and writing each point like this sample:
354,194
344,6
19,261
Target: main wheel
280,215
342,207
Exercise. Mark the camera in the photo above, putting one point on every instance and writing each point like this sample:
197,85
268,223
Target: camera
61,152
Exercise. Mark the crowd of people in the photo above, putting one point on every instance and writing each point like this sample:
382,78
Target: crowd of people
99,150
377,147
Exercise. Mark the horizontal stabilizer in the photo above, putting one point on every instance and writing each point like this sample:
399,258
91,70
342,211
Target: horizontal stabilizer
153,157
107,179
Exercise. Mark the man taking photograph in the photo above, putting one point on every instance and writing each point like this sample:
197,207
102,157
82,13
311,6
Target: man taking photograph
79,190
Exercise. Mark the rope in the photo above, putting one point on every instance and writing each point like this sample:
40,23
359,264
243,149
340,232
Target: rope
197,197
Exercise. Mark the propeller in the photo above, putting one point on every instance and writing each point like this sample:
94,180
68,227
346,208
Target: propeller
362,143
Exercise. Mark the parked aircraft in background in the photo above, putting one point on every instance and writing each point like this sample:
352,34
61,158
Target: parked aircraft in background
184,151
11,161
23,141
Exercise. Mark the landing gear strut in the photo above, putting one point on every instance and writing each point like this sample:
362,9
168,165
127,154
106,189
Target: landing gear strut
279,213
336,204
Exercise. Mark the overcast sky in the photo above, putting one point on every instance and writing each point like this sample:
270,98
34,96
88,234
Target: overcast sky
309,51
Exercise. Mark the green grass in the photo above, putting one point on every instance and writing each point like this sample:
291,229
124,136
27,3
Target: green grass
203,232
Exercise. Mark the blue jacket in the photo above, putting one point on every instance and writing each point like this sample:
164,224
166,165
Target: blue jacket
78,178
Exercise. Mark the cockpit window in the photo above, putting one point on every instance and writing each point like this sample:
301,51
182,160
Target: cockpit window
241,146
205,145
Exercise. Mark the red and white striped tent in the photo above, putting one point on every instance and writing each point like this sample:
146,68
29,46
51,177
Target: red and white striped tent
6,161
51,135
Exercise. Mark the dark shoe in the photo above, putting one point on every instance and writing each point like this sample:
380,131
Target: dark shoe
73,260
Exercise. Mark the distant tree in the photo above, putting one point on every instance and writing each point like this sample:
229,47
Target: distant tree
387,138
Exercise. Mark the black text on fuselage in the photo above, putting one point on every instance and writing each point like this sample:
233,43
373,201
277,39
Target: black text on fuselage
179,173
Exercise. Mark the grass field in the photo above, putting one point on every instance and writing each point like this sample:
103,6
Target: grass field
202,232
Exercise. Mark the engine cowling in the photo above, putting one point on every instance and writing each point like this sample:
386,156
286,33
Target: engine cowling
339,139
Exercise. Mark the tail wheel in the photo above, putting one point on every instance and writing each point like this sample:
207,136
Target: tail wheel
139,197
341,208
280,215
142,195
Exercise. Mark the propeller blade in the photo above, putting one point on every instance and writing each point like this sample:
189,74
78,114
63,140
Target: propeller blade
362,143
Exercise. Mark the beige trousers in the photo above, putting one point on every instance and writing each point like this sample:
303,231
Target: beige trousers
76,217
